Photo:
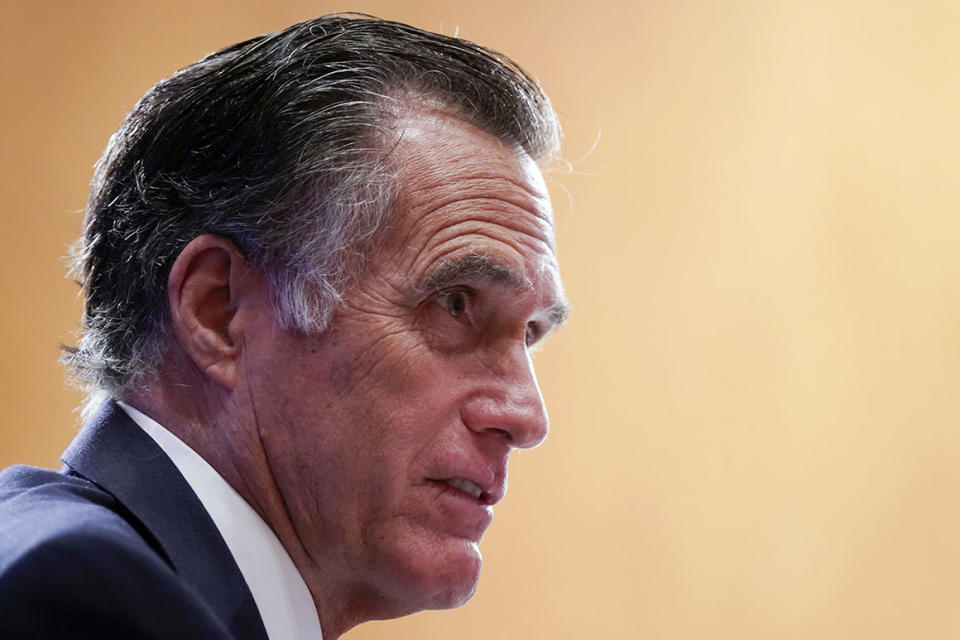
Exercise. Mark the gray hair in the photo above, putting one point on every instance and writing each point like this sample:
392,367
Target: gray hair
280,144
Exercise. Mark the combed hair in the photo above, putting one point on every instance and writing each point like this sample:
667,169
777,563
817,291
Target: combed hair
279,144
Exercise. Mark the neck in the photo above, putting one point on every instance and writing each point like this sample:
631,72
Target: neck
213,424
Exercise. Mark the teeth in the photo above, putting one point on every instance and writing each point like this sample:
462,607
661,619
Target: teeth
467,486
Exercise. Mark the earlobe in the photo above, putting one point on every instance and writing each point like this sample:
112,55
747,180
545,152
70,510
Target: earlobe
204,288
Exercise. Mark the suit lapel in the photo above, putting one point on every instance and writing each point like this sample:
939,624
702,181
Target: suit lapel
116,454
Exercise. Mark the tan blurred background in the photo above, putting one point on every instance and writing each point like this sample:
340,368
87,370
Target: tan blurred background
754,414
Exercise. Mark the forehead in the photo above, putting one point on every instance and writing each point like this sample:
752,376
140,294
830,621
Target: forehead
465,193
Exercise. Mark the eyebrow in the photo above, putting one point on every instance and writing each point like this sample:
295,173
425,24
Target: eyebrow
485,268
472,266
558,312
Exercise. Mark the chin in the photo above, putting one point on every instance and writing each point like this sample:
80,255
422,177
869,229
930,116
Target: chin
441,580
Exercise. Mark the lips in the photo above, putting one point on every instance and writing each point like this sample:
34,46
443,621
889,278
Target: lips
466,486
486,493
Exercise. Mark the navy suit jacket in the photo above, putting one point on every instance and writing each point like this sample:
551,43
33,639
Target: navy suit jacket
115,545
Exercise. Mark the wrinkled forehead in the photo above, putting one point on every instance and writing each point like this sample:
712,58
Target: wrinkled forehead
444,161
472,201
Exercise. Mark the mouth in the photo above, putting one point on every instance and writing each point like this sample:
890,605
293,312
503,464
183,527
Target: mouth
467,488
462,507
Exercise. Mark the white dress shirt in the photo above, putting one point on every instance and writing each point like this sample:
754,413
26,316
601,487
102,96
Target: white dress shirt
281,596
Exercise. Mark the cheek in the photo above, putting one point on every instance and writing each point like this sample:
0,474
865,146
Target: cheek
348,435
391,388
380,414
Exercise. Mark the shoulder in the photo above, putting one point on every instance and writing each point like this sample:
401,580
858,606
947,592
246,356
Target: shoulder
39,505
71,565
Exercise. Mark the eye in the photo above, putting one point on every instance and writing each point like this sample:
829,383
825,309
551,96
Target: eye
455,303
532,333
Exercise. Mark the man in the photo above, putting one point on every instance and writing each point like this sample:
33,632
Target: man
314,264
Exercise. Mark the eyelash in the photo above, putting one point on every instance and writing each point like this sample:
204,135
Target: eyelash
531,334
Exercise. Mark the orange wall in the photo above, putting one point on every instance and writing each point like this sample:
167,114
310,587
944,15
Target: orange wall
756,432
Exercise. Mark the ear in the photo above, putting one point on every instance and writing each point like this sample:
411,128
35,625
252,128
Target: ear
208,284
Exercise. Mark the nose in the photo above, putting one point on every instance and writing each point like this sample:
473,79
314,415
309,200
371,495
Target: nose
508,403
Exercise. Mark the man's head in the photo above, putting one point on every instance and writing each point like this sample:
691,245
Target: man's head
282,144
330,250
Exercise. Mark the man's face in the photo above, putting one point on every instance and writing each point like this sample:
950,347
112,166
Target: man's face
388,434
